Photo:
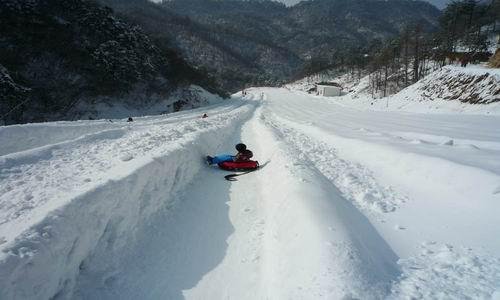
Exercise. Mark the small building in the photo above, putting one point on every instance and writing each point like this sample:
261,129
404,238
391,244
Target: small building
328,89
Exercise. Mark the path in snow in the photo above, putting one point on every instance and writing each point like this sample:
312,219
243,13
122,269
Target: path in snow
275,234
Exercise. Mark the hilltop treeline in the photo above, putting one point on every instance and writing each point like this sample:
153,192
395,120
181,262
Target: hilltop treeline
465,34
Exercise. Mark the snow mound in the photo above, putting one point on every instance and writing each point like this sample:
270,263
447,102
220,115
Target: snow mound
474,85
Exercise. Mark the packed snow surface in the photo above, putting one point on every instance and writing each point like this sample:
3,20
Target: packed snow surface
350,203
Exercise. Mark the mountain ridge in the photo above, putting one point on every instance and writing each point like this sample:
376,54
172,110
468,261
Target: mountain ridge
267,43
441,4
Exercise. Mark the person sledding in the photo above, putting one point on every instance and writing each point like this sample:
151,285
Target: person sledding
240,161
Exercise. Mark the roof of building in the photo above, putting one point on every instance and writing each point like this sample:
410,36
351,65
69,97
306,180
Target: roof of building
329,84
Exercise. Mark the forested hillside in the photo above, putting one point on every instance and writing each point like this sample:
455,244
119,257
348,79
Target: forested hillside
237,49
266,43
55,55
468,33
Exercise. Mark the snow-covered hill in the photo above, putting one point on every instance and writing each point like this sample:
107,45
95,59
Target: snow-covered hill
451,89
474,85
351,203
474,89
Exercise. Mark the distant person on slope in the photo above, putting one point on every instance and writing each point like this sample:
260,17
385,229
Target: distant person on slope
243,155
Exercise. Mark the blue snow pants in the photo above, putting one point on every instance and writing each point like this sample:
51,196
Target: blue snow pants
222,158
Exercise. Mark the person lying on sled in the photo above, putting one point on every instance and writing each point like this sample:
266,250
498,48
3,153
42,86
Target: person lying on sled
243,155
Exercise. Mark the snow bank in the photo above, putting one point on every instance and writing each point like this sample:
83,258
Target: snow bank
48,237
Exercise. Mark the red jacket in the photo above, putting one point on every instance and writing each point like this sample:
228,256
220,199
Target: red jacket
243,156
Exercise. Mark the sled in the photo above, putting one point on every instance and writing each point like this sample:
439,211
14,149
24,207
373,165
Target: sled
232,177
239,166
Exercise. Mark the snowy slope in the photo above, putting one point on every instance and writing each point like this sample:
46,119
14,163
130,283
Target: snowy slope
452,89
474,85
350,203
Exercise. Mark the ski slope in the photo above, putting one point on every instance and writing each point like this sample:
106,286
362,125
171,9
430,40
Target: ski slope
351,203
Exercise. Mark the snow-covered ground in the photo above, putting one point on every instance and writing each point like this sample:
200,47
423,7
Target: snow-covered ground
351,203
